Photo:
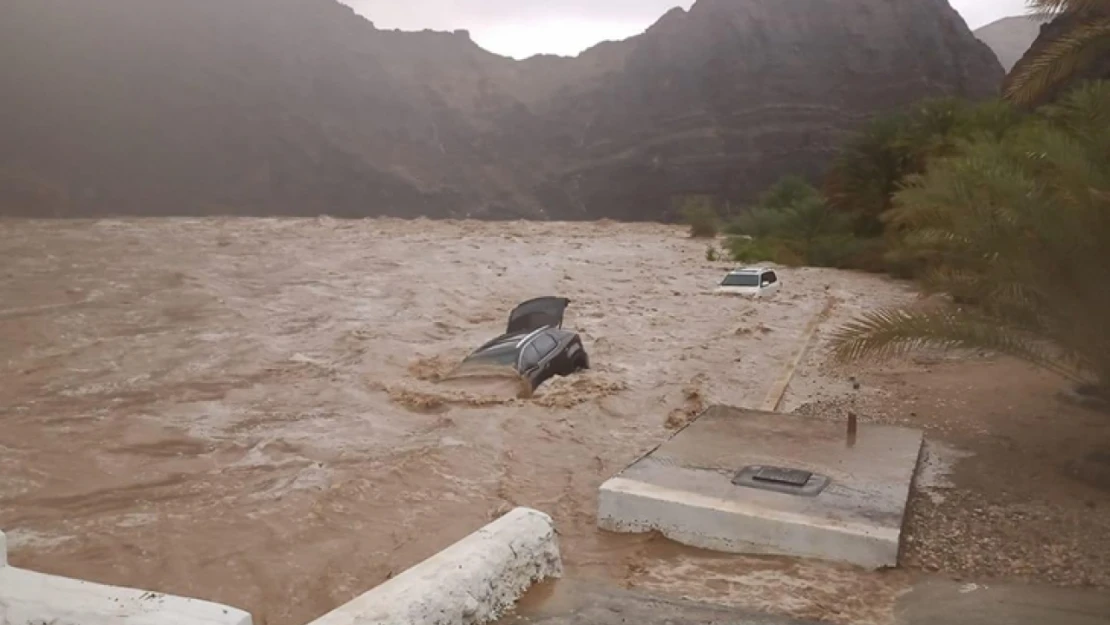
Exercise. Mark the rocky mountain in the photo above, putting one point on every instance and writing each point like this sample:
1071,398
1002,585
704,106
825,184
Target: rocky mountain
1010,37
158,107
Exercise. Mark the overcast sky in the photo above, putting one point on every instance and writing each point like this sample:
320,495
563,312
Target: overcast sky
521,28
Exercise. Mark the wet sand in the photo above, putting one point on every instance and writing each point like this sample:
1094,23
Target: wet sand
254,411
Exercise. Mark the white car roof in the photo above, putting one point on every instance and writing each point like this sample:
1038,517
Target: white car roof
748,270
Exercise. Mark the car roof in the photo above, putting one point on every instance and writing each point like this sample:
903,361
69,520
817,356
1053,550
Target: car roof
512,340
748,270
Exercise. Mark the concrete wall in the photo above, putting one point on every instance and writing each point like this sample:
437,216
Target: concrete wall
471,582
30,598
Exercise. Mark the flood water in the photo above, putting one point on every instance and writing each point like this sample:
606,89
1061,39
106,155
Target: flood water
254,411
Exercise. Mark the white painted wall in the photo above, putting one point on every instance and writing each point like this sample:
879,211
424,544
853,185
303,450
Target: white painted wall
30,598
471,582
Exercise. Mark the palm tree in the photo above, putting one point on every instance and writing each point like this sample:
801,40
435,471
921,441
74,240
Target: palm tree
1082,40
1020,226
864,177
870,170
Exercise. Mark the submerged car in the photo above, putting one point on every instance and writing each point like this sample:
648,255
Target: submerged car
751,281
534,344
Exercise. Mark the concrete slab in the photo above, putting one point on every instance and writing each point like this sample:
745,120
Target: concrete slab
30,598
471,582
581,602
847,505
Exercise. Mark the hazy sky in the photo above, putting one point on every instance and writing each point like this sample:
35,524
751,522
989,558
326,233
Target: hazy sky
521,28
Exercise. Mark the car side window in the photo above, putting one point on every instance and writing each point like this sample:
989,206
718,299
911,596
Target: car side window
531,356
770,277
545,343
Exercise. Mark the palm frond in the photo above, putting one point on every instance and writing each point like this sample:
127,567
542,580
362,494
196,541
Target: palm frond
1052,8
1058,60
892,332
1081,110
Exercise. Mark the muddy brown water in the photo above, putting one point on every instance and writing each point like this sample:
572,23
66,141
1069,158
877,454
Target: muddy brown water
259,412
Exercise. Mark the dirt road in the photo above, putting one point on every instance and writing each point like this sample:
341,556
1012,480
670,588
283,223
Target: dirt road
247,410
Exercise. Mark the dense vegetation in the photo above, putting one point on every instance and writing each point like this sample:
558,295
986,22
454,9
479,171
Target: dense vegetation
842,224
1006,213
1015,227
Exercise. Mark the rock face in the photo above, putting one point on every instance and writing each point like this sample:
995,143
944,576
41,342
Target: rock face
303,107
1010,37
734,94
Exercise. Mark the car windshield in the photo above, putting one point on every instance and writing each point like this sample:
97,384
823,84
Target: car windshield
741,279
503,356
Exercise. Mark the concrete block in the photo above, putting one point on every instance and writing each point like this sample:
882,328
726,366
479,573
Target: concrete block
685,488
471,582
30,598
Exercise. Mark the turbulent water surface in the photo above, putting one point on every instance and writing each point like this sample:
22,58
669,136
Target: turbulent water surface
258,412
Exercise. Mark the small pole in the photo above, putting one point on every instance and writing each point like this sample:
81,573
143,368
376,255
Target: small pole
851,429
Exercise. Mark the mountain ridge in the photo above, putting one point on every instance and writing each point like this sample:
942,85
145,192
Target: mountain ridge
1010,37
305,107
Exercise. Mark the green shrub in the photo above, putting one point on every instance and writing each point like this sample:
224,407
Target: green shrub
764,250
838,250
792,225
699,214
871,255
788,192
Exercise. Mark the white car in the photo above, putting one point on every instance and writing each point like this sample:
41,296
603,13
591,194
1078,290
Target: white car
750,281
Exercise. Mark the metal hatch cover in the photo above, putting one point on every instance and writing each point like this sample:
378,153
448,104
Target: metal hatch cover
781,480
793,477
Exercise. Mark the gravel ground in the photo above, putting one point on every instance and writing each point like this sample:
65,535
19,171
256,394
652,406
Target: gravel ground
1011,505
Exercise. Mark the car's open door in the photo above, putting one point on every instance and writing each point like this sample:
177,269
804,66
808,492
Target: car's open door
537,313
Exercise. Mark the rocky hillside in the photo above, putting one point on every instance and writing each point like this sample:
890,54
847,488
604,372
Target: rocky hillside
1010,37
303,107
